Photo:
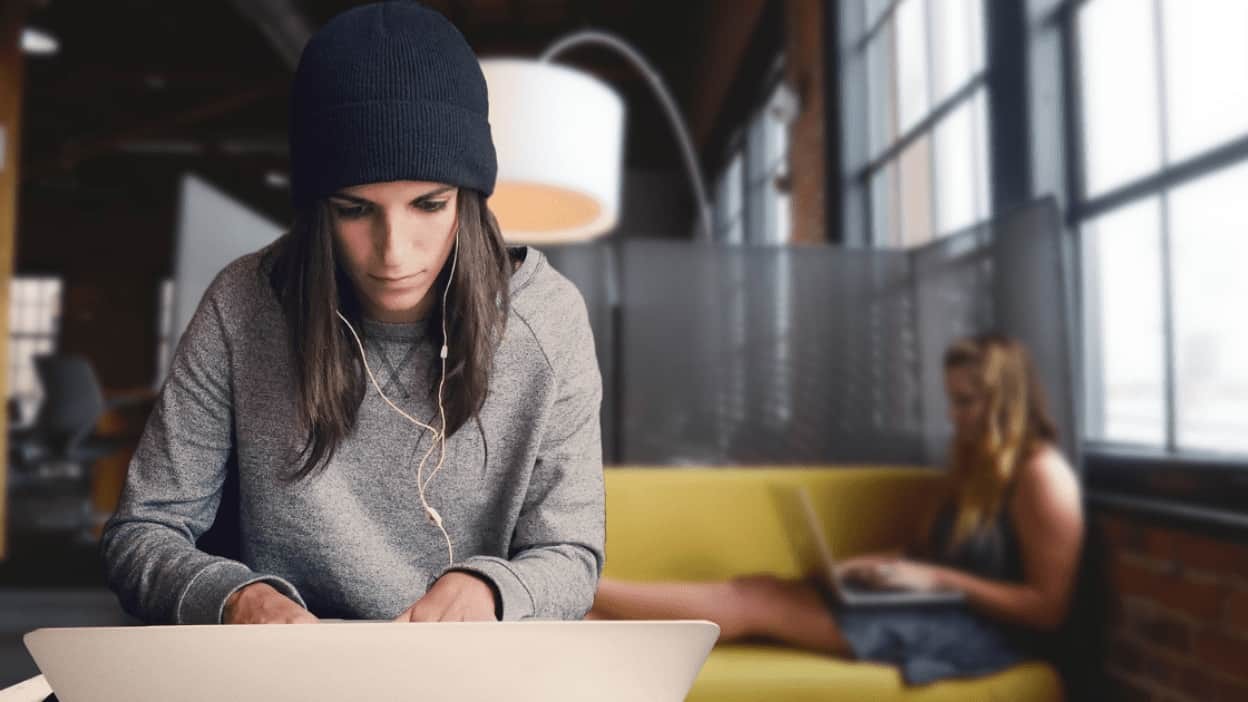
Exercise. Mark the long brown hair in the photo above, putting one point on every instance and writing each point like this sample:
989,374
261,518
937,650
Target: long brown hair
330,381
1016,423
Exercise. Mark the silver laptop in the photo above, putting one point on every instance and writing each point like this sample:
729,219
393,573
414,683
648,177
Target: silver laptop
814,553
608,661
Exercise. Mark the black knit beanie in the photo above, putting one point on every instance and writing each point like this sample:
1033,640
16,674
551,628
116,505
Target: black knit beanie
388,91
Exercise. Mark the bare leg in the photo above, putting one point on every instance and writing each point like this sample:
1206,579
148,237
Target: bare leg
760,605
716,601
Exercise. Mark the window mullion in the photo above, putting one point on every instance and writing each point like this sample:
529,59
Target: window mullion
929,63
1167,269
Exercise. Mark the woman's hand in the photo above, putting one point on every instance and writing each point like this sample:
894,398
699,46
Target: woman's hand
892,573
261,603
455,597
852,566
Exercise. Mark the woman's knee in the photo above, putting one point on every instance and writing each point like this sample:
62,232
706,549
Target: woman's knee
758,598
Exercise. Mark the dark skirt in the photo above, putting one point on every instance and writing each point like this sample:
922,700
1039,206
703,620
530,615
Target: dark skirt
930,643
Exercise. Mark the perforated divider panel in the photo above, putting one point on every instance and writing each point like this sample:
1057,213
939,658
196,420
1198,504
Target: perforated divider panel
730,355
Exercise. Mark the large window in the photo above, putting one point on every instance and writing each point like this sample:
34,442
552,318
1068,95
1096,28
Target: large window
926,168
1161,108
34,323
752,202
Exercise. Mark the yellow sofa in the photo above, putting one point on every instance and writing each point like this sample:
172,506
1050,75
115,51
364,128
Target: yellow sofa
714,523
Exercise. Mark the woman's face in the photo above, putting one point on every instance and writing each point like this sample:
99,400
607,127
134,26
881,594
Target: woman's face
393,239
966,402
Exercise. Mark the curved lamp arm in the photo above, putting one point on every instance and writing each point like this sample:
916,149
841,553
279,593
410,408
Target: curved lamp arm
652,77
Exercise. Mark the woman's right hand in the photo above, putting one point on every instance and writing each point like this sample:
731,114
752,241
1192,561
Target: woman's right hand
865,563
261,603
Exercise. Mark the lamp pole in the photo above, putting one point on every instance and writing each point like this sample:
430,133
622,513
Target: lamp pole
600,38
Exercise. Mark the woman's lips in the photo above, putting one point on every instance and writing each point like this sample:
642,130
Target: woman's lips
399,282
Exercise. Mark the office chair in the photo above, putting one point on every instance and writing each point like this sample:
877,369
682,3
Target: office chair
49,460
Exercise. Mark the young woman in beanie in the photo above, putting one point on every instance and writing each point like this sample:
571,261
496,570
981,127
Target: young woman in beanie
412,407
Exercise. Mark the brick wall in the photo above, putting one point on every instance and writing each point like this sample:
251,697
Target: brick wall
804,22
1178,624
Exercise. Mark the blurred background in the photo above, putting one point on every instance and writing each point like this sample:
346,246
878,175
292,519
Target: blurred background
881,175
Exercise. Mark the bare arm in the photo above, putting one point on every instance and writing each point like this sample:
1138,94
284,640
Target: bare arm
1047,513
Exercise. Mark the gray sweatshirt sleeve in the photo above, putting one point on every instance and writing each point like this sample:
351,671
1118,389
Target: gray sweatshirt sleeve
173,488
557,549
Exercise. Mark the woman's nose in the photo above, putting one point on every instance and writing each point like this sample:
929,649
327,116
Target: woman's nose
389,240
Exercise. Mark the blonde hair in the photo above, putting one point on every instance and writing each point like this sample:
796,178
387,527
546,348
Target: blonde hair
1015,425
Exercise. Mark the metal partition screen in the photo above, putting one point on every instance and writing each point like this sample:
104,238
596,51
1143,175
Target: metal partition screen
728,355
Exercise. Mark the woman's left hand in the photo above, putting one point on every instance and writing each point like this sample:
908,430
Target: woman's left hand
898,574
455,597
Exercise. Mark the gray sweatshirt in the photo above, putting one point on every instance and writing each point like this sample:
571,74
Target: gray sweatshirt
353,541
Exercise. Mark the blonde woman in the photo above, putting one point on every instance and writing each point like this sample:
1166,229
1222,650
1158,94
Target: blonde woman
1007,532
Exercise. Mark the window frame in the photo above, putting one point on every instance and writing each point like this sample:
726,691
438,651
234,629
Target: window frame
1106,459
926,127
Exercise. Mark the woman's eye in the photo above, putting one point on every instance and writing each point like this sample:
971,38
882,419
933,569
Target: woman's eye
353,212
431,205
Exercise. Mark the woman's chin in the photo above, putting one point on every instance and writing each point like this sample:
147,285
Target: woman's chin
396,304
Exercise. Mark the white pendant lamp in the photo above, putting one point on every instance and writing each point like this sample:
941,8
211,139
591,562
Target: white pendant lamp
559,137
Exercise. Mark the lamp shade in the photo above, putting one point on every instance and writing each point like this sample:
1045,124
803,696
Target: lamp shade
558,134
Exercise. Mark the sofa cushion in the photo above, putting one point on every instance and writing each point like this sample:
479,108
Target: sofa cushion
756,673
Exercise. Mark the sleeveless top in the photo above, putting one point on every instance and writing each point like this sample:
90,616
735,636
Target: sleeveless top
992,551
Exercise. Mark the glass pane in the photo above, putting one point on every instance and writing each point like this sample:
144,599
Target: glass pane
1208,247
884,225
1121,135
912,98
983,172
47,317
781,218
22,320
26,380
916,193
777,131
875,8
957,44
881,115
729,197
1123,326
15,289
1206,60
957,157
18,291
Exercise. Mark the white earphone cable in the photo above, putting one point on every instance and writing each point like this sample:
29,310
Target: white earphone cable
439,436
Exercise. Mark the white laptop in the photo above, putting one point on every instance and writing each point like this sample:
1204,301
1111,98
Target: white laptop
815,554
605,661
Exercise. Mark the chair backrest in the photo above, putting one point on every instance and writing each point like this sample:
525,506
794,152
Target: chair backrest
72,400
